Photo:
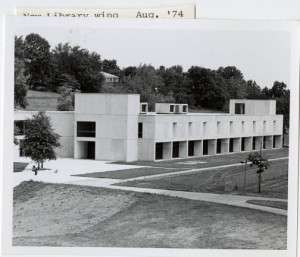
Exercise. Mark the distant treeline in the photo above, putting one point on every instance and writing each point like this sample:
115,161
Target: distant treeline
66,69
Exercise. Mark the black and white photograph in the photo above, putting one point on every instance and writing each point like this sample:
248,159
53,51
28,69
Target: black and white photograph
151,136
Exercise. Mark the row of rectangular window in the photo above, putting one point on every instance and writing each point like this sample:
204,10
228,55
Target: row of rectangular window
140,127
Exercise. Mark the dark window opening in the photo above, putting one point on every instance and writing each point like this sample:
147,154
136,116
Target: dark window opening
191,148
21,148
86,129
175,152
20,127
264,142
158,151
205,147
231,145
219,145
253,143
144,107
239,108
243,144
171,108
140,130
274,142
184,108
91,150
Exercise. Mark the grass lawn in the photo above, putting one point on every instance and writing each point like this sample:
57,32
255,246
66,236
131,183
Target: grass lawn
225,180
130,173
274,204
19,166
68,215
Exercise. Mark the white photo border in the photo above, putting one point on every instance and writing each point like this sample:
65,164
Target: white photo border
205,24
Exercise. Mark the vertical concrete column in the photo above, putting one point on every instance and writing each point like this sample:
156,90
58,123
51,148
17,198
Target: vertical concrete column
183,149
198,150
248,143
237,144
269,142
212,147
278,141
167,151
258,143
225,145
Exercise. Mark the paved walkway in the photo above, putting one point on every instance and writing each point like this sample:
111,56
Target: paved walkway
66,177
194,170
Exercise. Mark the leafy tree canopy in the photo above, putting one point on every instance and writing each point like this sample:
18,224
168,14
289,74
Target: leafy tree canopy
40,140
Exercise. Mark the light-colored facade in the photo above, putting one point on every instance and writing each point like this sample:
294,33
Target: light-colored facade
118,127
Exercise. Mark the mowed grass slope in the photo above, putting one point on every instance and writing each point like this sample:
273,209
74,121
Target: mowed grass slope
68,215
225,180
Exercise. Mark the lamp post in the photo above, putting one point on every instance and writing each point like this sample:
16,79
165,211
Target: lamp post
245,174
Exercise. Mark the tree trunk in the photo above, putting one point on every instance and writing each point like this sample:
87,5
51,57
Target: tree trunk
38,163
42,164
259,182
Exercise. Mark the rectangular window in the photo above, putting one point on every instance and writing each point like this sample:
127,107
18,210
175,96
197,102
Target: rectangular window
231,127
254,143
86,128
158,151
140,130
19,127
239,108
254,126
205,147
21,148
264,126
174,129
231,144
243,144
177,108
171,107
190,128
219,146
144,107
191,147
184,108
204,127
218,127
175,150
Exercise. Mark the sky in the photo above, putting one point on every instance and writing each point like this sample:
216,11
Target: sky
262,56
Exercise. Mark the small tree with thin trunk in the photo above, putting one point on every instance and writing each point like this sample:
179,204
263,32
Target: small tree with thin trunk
261,163
40,140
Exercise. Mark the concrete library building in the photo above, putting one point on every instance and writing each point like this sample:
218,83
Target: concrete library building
118,127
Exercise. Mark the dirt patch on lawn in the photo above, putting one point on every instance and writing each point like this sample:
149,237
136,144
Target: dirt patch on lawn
56,209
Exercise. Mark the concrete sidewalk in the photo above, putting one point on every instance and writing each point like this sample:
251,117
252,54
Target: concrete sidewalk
183,172
65,176
233,200
227,199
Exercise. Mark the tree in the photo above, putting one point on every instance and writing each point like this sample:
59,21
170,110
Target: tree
278,89
207,87
69,85
146,82
37,57
20,83
234,82
110,66
261,163
40,140
253,90
78,64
